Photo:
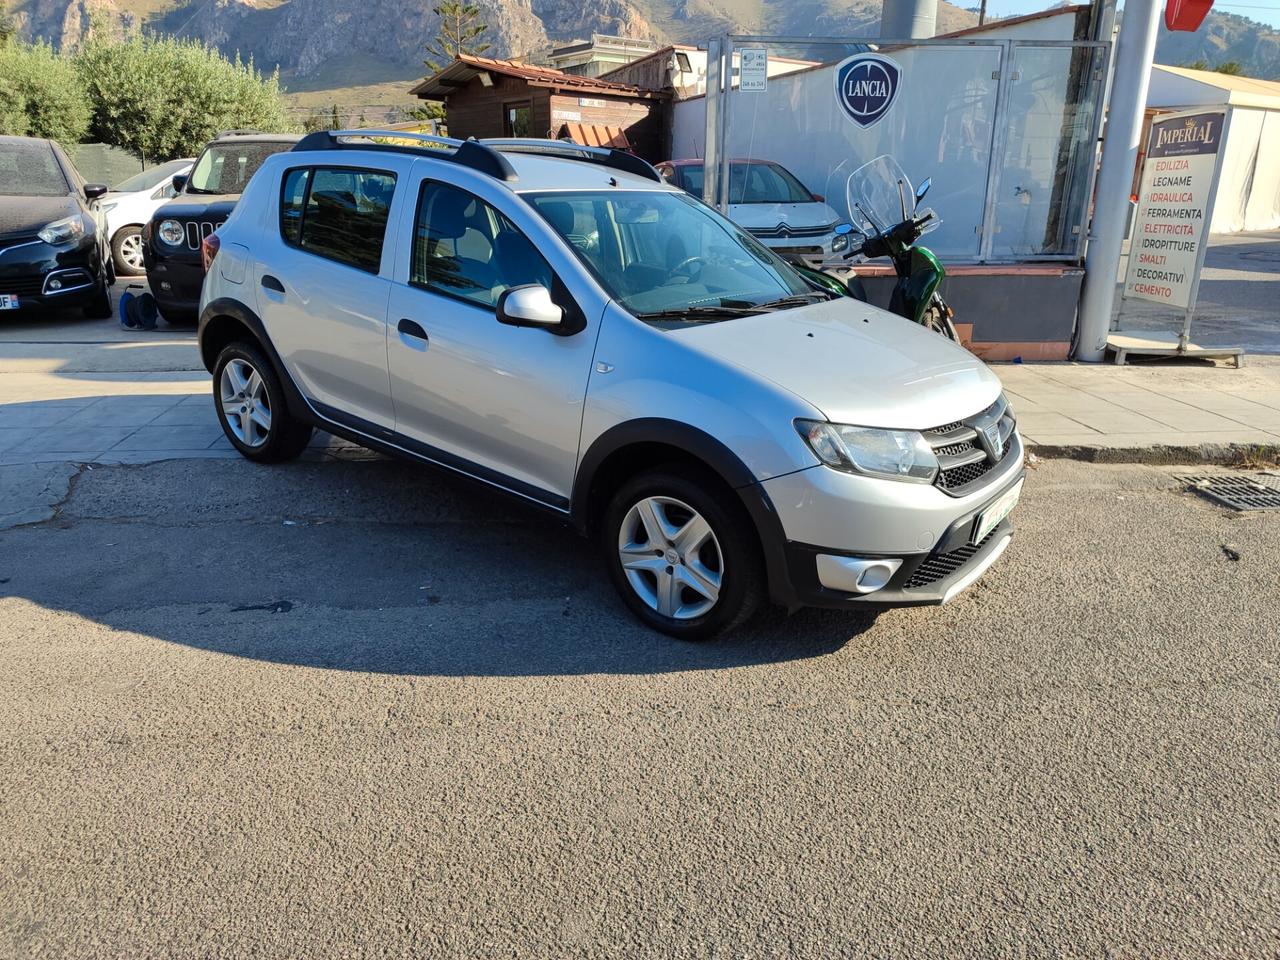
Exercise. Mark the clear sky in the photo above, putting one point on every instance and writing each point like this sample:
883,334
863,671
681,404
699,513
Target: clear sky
1265,11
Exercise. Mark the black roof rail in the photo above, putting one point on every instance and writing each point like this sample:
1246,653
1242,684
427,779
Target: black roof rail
483,155
467,153
605,156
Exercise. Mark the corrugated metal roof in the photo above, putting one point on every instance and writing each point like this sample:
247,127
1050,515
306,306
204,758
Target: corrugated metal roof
1242,91
465,67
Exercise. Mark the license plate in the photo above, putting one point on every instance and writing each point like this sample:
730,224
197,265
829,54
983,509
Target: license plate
8,301
990,518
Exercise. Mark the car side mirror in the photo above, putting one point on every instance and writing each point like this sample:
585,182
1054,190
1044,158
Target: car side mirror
529,305
179,181
923,188
92,191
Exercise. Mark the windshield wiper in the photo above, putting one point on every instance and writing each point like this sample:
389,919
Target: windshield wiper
697,314
797,300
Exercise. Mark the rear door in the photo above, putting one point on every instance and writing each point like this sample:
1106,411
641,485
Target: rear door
322,276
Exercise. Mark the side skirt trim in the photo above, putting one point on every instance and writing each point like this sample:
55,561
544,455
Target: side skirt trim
388,441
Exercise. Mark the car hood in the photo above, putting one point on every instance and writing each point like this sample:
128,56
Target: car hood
198,206
856,363
21,216
770,215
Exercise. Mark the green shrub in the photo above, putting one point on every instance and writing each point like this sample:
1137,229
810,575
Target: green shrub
160,97
41,94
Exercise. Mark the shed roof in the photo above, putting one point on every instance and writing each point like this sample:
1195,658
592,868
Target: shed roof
466,67
1184,87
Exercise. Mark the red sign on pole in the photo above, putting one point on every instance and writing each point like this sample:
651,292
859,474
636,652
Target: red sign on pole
1186,15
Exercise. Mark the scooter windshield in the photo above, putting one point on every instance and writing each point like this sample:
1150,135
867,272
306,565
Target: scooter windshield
879,195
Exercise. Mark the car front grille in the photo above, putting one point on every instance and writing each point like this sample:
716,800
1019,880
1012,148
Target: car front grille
784,232
22,286
939,565
969,449
9,242
198,230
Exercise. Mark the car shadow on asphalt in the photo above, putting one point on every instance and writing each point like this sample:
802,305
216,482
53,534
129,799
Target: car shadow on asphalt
370,566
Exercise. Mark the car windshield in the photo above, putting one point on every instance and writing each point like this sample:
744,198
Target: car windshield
151,177
752,183
227,167
665,256
28,168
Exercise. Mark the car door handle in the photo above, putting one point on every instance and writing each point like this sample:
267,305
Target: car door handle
271,283
412,335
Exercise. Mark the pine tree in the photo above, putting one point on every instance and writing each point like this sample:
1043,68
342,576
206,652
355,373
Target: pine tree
460,32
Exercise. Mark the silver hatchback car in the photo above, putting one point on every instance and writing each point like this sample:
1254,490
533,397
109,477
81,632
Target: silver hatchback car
559,323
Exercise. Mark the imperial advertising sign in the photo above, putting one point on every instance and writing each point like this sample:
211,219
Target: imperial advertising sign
1175,200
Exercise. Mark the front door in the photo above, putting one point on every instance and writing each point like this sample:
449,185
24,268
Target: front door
502,403
320,292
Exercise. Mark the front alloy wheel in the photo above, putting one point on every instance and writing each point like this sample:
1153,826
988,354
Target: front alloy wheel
671,557
682,552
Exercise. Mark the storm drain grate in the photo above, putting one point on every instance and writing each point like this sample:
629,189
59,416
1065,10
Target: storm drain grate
1261,492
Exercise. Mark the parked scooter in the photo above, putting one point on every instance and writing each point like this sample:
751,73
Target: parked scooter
880,194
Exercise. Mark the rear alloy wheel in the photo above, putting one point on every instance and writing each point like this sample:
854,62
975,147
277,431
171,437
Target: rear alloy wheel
251,407
126,252
684,562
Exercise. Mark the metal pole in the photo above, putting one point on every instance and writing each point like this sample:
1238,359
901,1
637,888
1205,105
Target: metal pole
982,12
1135,51
914,19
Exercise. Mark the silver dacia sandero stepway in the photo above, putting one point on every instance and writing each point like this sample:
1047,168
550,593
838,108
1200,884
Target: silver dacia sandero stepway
559,323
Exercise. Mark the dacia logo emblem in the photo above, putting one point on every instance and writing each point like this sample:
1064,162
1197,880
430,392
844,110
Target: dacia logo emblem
866,85
992,434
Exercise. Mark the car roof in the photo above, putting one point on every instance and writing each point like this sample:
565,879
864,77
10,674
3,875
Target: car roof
243,136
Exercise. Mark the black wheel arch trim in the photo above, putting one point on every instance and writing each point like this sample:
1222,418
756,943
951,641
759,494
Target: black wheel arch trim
719,458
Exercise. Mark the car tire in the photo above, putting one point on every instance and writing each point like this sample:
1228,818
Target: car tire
667,584
251,406
126,252
99,308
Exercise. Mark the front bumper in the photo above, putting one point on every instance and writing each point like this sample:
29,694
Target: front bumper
48,276
175,281
819,511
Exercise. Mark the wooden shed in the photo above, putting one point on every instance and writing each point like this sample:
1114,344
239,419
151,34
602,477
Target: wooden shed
504,98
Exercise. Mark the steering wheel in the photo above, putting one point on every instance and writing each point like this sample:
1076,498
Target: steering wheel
687,262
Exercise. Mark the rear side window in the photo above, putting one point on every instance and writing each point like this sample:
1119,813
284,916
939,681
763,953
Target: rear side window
339,213
292,198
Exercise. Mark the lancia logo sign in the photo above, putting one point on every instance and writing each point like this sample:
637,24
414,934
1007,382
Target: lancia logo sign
865,87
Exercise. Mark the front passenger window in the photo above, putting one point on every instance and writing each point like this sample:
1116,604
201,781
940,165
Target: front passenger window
463,247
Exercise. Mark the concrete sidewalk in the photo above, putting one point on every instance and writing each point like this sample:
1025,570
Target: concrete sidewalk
1168,412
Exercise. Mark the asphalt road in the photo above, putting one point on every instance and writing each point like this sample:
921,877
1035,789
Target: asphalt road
350,709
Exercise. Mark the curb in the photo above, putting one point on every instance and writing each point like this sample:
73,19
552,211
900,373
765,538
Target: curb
1225,454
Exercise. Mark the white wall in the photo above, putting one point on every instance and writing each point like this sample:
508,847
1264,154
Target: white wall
1249,178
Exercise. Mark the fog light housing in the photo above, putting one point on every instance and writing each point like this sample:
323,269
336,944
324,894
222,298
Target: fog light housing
55,284
856,574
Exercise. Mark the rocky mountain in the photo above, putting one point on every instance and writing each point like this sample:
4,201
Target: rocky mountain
318,43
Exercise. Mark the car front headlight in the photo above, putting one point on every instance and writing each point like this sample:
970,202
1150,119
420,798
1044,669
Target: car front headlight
893,454
839,242
171,232
63,231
